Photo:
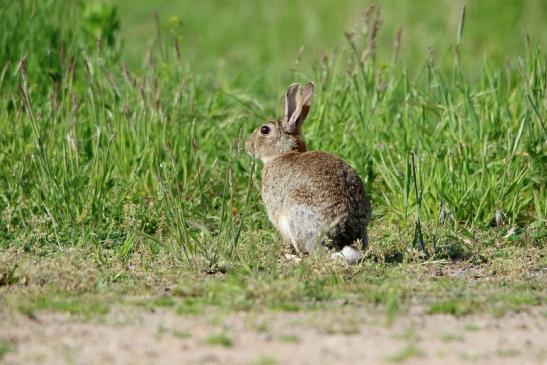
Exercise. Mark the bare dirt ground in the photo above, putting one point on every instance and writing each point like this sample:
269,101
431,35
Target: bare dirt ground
348,336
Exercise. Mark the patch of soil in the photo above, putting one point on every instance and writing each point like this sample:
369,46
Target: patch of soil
133,335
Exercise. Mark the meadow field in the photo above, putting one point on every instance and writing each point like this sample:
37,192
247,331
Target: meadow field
131,224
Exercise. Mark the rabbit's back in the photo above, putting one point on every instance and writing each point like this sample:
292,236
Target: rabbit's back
319,185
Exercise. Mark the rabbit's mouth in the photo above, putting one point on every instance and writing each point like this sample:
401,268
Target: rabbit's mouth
249,147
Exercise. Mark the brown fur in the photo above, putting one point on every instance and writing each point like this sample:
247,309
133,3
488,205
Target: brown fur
311,197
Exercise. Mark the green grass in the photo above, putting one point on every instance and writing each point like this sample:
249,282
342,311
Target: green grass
181,334
5,347
190,306
385,289
409,352
125,155
281,39
456,307
451,337
290,338
265,360
162,301
64,302
471,327
220,340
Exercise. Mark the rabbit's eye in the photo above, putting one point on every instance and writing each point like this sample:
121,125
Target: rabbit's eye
264,129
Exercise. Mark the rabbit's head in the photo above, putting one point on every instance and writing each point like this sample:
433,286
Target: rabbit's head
275,137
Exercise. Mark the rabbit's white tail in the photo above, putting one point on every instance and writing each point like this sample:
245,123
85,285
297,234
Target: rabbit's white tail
350,254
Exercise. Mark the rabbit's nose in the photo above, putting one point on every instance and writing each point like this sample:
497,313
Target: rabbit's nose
249,147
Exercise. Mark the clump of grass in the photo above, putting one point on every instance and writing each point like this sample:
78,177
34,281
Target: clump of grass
289,338
164,301
451,337
265,360
410,351
191,306
471,327
8,275
5,347
181,333
456,307
85,307
514,300
509,352
161,301
221,339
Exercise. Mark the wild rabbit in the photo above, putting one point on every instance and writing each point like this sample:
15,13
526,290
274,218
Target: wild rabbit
313,198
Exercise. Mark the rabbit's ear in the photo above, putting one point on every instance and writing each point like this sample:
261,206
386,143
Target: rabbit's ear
293,106
297,106
307,95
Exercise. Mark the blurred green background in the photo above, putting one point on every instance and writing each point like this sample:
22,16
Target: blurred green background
263,42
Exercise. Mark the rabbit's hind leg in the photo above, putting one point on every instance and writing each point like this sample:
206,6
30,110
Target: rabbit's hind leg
302,226
364,239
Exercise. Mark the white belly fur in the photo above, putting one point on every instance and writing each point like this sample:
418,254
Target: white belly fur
285,228
301,226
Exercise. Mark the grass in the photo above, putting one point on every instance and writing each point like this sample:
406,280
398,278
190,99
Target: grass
453,306
181,334
220,340
190,306
451,337
64,303
290,338
282,38
5,347
387,289
471,327
409,352
510,352
163,301
127,177
265,360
